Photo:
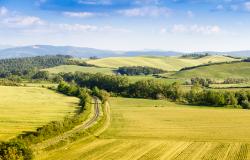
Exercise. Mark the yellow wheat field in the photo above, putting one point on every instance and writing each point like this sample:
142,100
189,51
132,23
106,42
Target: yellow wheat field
165,63
26,108
150,129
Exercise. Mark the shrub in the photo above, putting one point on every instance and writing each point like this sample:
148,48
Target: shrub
42,75
55,128
245,104
102,94
15,151
139,70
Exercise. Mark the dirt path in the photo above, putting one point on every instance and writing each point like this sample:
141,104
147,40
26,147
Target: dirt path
90,122
86,124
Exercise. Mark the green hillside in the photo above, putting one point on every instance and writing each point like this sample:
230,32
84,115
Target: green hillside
165,63
74,68
219,71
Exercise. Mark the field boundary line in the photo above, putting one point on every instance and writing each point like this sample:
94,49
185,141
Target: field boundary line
95,113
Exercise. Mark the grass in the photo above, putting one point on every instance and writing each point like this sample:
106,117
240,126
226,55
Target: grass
220,71
134,79
224,86
26,108
165,63
74,68
138,118
108,71
157,129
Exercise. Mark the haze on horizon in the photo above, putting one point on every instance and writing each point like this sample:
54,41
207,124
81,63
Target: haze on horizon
179,25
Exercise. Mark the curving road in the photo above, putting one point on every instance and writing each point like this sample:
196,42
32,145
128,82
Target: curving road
94,118
96,114
86,124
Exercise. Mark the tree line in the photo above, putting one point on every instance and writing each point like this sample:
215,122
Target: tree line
195,55
27,67
139,70
119,85
235,80
55,128
18,148
246,59
207,81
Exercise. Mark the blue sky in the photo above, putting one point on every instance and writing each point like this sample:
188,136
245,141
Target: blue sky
179,25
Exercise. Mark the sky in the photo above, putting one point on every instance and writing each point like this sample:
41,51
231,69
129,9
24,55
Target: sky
177,25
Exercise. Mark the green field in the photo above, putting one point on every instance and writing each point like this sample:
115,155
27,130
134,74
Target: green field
165,63
223,86
75,68
108,71
134,79
156,129
26,108
220,71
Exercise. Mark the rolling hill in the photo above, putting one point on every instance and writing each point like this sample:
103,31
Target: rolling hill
165,63
75,68
83,52
7,51
218,71
41,50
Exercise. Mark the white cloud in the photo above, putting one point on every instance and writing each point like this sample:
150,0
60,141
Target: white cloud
79,14
163,30
78,27
146,11
22,21
247,6
177,28
95,2
192,29
190,14
219,7
3,11
234,7
147,2
113,29
88,28
40,2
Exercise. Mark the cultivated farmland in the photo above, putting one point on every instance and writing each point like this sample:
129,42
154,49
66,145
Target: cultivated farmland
165,63
26,108
75,68
218,71
156,129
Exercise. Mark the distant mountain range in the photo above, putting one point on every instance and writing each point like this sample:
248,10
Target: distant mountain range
40,50
5,46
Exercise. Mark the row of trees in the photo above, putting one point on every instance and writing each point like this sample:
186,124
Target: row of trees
55,128
246,60
78,63
110,83
202,81
195,55
235,80
205,82
18,148
200,96
157,90
139,70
